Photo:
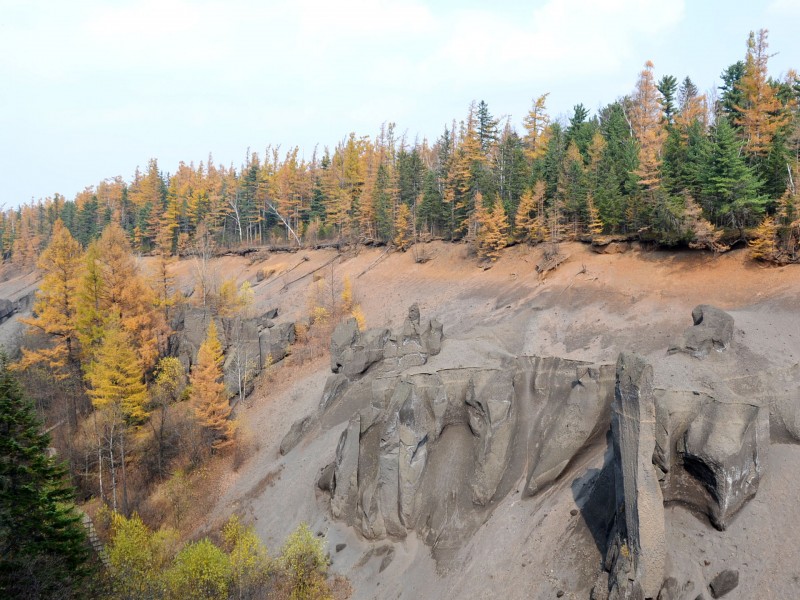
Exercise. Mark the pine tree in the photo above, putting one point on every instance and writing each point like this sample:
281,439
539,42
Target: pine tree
571,187
209,398
667,86
43,551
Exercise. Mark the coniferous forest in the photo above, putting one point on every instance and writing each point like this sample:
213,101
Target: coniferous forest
665,164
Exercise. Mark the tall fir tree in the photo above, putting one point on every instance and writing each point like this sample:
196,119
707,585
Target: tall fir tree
43,549
731,192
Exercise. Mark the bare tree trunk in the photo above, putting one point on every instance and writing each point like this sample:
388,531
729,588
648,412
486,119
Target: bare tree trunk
113,469
99,457
124,475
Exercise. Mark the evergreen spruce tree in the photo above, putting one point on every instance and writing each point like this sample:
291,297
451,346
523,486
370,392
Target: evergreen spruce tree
43,551
730,189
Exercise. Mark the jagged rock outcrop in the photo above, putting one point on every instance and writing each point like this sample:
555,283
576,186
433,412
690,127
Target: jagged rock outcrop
417,341
7,308
190,326
570,401
436,448
638,550
353,352
243,360
250,344
343,338
433,446
711,450
712,330
274,343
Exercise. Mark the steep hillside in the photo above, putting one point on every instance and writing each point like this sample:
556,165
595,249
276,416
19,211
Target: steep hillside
422,491
590,309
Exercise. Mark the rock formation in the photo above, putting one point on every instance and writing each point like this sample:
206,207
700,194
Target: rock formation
250,344
436,437
712,330
637,553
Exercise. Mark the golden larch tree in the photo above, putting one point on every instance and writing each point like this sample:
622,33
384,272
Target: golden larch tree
89,320
55,307
117,391
763,246
536,124
529,222
761,113
492,230
595,222
126,295
646,116
209,398
703,234
402,226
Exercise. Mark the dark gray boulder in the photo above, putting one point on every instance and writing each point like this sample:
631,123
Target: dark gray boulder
712,331
298,429
345,476
325,479
274,343
7,308
724,582
725,449
669,590
344,336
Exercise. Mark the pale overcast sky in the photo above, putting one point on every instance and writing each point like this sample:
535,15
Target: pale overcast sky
91,89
